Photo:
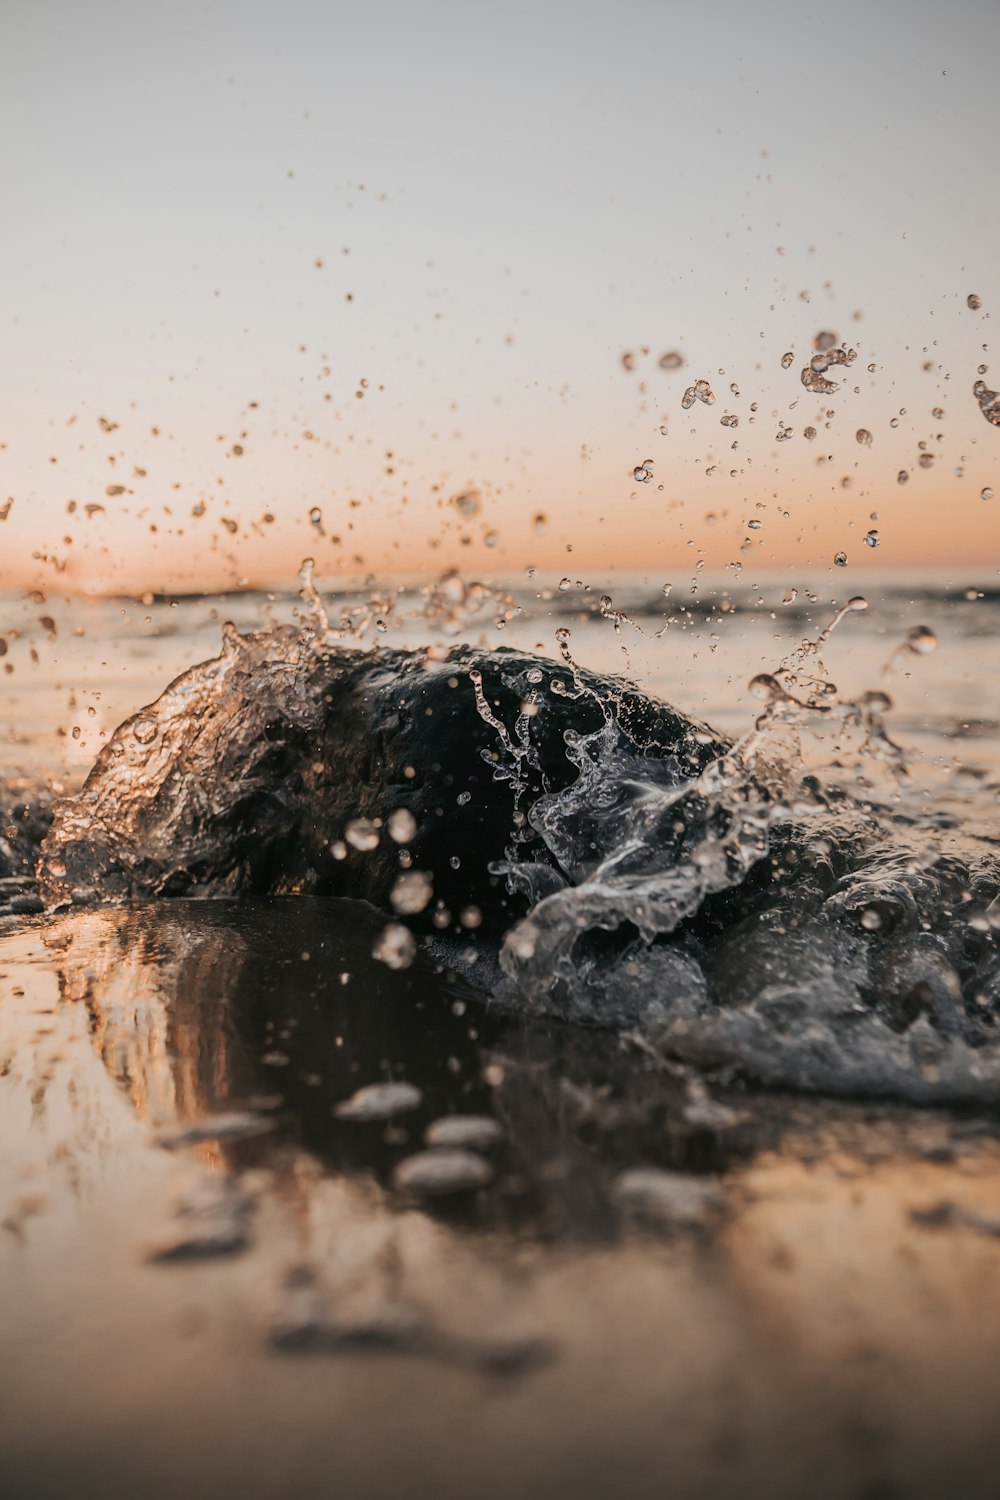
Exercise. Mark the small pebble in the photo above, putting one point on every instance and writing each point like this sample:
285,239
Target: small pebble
670,1200
464,1132
233,1126
433,1174
379,1101
211,1218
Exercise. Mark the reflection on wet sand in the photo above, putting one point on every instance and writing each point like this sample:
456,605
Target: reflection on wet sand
824,1324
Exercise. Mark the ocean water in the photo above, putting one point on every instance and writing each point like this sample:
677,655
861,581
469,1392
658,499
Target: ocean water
74,668
724,1155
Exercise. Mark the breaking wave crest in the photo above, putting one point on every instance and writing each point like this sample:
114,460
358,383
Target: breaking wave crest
576,848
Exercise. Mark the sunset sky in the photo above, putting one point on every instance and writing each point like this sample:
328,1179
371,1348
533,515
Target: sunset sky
260,261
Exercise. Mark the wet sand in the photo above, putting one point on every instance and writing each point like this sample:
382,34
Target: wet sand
830,1330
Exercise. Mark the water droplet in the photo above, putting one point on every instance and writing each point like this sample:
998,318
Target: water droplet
902,477
974,301
362,834
989,402
145,730
876,702
628,360
402,825
765,686
921,640
672,360
814,381
824,340
840,558
809,432
872,539
411,892
864,437
396,947
468,503
540,521
316,516
986,493
858,603
730,421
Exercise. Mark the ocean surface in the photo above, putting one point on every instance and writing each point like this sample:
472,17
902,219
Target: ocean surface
75,667
285,1202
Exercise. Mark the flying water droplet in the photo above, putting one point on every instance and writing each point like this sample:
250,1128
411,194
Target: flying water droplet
402,825
787,360
766,687
974,301
672,360
396,947
362,834
872,539
840,558
411,892
468,503
986,493
921,640
814,381
989,402
864,437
